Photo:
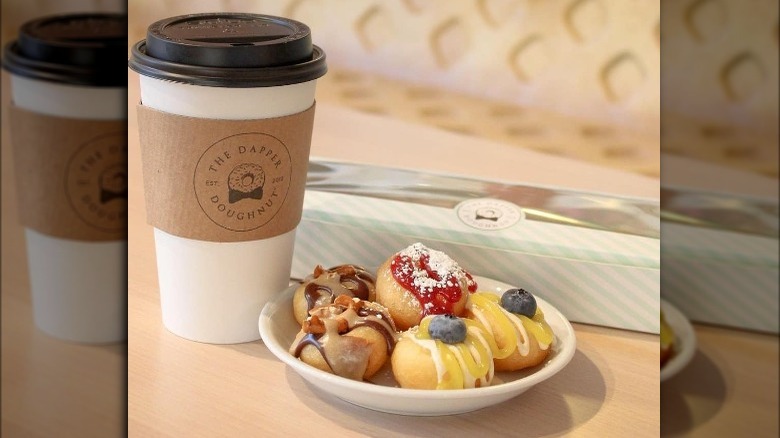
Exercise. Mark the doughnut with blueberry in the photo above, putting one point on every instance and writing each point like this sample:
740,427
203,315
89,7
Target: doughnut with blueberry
517,324
444,352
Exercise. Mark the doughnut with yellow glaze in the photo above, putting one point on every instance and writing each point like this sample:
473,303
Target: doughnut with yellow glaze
667,341
421,362
522,342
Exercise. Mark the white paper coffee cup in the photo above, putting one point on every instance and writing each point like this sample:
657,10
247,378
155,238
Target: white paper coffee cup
211,290
78,285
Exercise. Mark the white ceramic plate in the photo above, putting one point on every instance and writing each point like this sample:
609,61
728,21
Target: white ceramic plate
685,341
278,329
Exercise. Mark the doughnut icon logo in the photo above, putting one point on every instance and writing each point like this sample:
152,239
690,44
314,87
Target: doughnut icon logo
245,181
113,183
96,182
489,214
241,181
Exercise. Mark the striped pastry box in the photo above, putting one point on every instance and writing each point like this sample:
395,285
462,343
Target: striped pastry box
591,275
722,277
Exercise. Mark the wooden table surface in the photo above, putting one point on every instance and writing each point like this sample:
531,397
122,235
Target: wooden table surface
729,388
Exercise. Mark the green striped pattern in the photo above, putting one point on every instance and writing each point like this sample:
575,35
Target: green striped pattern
592,276
721,277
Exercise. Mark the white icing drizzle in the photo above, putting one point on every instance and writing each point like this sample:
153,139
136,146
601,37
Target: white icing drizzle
430,345
469,380
523,339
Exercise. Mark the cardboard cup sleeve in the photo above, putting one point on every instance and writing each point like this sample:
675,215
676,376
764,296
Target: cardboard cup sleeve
224,180
71,175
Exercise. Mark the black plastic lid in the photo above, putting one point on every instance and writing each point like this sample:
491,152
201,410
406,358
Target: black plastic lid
75,49
229,50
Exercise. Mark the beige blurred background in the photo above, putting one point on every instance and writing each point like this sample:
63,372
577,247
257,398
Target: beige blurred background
720,83
578,79
575,78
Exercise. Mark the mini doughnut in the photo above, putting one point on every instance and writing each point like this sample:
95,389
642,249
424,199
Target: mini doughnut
324,285
421,361
419,281
521,341
351,338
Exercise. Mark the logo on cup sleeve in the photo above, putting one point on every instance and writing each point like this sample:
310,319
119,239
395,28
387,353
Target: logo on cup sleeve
245,181
96,182
112,183
242,180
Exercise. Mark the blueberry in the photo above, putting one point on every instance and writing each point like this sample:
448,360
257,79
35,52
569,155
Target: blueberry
448,328
519,301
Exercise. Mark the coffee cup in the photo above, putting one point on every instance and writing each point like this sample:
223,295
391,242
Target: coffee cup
68,123
225,120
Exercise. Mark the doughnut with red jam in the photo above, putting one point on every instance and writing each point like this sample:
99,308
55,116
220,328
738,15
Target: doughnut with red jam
419,281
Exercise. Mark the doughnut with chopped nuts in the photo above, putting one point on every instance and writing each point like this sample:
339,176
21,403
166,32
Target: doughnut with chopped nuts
324,285
351,338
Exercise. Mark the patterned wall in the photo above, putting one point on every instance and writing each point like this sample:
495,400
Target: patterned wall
720,82
559,77
587,58
578,78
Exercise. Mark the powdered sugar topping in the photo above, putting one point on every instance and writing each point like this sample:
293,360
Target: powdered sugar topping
440,271
432,276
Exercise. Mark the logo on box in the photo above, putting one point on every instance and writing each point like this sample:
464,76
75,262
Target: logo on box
489,214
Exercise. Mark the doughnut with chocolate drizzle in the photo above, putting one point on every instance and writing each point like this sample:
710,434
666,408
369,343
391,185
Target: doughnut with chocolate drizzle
323,286
351,338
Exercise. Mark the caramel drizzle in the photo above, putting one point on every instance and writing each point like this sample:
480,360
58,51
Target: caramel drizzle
367,316
313,339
